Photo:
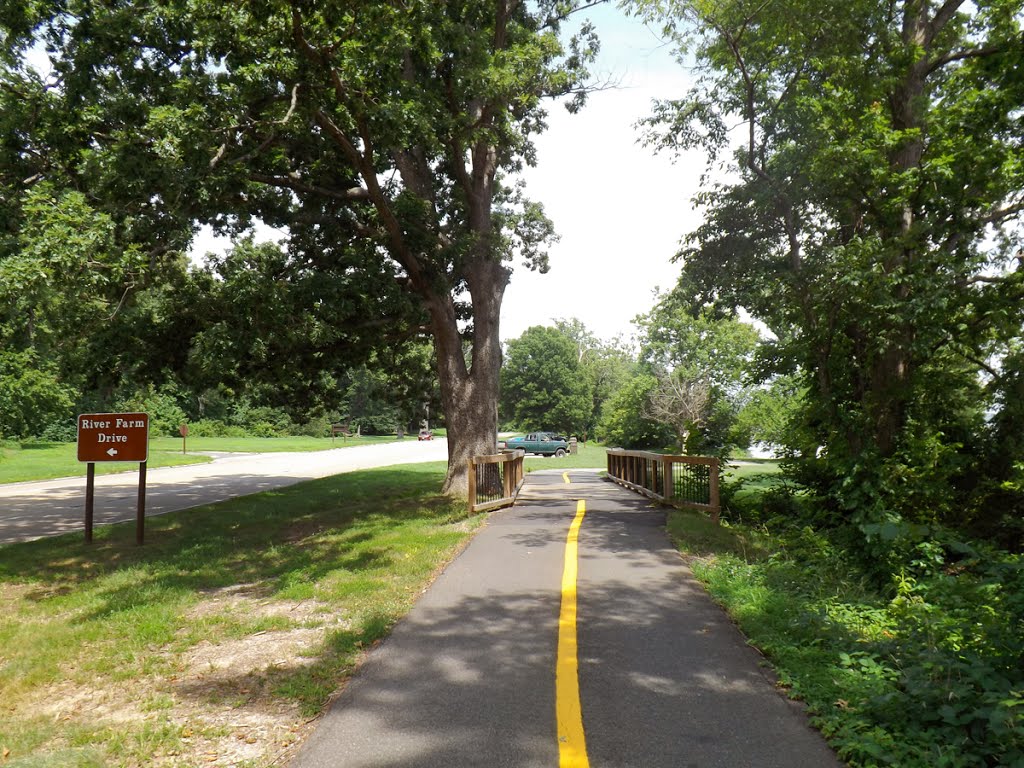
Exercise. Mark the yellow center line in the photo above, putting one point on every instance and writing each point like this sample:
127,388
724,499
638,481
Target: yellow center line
572,744
565,476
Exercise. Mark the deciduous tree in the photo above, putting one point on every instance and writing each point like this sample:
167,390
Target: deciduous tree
386,123
624,423
872,218
679,402
608,365
703,360
544,386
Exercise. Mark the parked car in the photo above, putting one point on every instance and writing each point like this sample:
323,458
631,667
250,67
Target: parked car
543,443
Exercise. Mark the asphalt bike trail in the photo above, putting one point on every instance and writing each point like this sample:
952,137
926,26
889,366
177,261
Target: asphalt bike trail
569,633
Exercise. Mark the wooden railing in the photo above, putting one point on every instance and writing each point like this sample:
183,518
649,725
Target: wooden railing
685,481
495,480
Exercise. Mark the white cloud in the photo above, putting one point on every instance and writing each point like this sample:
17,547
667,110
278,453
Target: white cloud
39,60
619,208
206,241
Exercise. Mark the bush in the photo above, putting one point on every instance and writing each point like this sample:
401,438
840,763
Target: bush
31,396
1000,510
261,421
763,499
214,428
379,424
264,429
623,422
60,431
165,414
318,427
925,670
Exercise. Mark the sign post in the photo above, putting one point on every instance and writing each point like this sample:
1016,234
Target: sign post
140,509
114,437
90,484
183,431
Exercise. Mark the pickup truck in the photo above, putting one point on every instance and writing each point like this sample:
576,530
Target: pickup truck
544,443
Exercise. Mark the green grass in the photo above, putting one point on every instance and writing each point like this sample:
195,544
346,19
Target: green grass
757,472
757,476
113,626
587,457
22,462
745,484
267,444
697,536
751,468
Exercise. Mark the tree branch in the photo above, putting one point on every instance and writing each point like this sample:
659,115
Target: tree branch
557,18
296,184
291,108
1002,214
338,136
970,53
941,18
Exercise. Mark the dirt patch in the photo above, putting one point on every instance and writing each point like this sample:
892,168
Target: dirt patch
465,526
252,601
11,594
67,701
303,530
217,695
235,659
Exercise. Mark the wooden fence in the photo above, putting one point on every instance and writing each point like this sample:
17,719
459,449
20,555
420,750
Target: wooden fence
685,481
495,480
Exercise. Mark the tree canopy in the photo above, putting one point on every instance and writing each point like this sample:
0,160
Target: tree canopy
702,362
379,134
872,222
544,386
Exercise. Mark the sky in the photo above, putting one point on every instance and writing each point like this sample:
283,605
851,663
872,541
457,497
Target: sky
619,209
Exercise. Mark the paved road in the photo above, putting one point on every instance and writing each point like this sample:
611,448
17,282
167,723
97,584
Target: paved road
468,678
33,510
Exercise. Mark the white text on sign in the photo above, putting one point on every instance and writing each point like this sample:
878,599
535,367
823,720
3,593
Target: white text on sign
117,423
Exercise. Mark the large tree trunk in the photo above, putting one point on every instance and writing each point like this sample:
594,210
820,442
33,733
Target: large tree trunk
887,404
469,390
886,400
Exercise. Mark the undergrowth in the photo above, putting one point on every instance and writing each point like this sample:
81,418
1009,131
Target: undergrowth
925,669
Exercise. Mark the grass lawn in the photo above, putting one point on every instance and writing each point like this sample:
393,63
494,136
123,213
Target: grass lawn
587,456
218,641
748,481
267,444
21,462
755,471
750,468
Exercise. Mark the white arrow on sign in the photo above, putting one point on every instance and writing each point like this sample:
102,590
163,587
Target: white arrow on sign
112,452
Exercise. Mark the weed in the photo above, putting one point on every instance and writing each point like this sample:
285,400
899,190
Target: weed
926,672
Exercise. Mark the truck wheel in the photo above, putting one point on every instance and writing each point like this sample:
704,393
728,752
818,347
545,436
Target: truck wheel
559,453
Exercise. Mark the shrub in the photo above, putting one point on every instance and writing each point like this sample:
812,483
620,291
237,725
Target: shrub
214,428
378,424
31,396
263,429
60,431
925,670
261,421
318,427
165,414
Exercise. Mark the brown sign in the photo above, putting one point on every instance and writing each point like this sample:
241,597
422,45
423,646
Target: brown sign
113,437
